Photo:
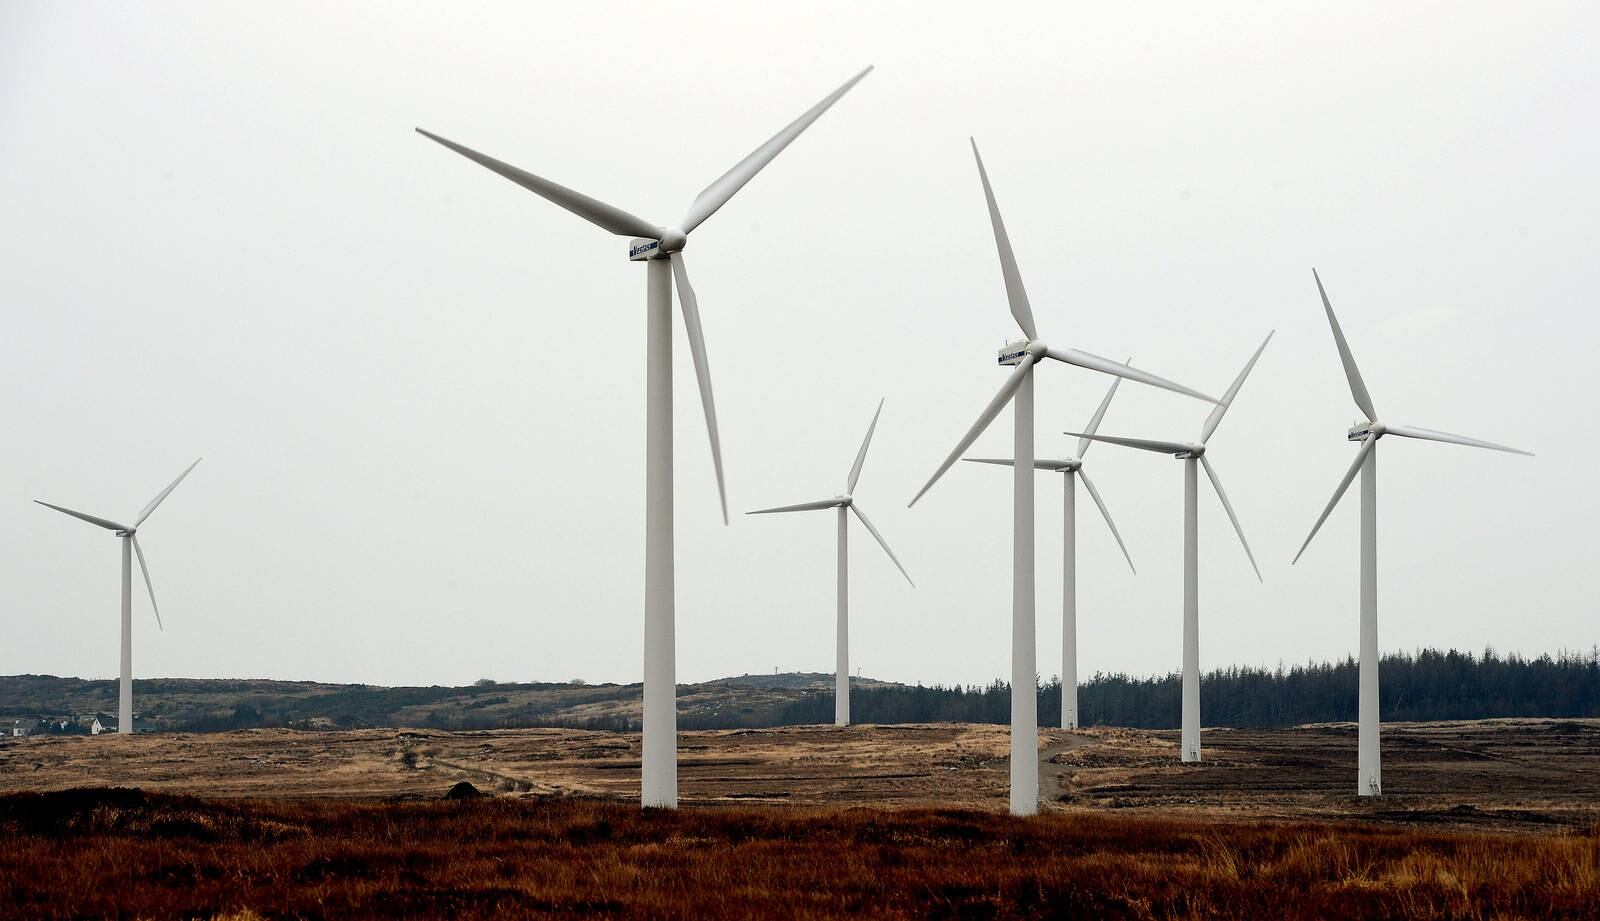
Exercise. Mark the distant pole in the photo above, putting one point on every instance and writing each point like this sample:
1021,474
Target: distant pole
125,686
1369,759
659,763
841,684
1069,606
1024,698
1191,613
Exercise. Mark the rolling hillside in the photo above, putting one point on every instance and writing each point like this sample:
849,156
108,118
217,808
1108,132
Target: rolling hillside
199,705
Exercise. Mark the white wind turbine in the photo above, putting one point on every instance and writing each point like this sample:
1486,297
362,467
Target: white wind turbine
661,249
1369,776
841,684
1072,470
1190,453
1018,390
130,546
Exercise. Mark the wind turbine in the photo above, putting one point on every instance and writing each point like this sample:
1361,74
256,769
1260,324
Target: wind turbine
1190,453
845,502
661,249
1018,390
1369,776
130,546
1072,469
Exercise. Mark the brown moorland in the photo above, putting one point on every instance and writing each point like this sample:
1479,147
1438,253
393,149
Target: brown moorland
126,853
1508,775
1480,819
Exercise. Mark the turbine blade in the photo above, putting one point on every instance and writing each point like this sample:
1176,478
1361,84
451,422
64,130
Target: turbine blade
861,455
717,193
1107,366
702,371
1407,431
1228,507
164,493
1358,387
1094,422
102,522
1143,444
1015,293
1344,484
1007,389
802,507
881,542
1106,514
144,568
1215,419
592,210
1049,464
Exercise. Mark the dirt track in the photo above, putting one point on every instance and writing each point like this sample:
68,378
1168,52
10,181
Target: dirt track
1512,774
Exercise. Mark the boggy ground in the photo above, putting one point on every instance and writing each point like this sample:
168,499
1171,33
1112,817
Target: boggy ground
126,853
1511,775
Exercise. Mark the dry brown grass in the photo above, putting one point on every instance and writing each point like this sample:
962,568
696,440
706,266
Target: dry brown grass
99,853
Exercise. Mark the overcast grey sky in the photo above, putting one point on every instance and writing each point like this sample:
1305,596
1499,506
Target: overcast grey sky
419,389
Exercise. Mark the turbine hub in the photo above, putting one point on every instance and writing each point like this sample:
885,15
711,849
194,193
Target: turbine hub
673,240
1070,464
1193,451
127,532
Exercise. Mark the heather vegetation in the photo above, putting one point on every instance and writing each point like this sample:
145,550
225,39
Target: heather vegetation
124,853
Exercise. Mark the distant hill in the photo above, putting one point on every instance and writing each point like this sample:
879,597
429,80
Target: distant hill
1427,685
202,705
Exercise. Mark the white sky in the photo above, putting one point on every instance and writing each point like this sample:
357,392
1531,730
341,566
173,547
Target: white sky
419,389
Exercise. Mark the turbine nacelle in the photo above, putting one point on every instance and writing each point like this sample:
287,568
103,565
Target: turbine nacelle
1013,352
1190,452
1361,431
643,249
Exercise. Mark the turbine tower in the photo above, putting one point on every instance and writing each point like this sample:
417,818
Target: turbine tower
130,547
1018,390
1189,453
1369,774
844,503
661,249
1072,470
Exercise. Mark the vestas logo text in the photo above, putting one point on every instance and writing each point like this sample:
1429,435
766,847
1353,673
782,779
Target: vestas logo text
643,248
1012,356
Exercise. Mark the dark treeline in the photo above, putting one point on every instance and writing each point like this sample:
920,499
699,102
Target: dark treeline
1428,685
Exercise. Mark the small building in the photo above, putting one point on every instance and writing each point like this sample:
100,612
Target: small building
103,723
24,727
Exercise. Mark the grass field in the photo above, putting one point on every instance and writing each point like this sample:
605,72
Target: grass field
124,853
